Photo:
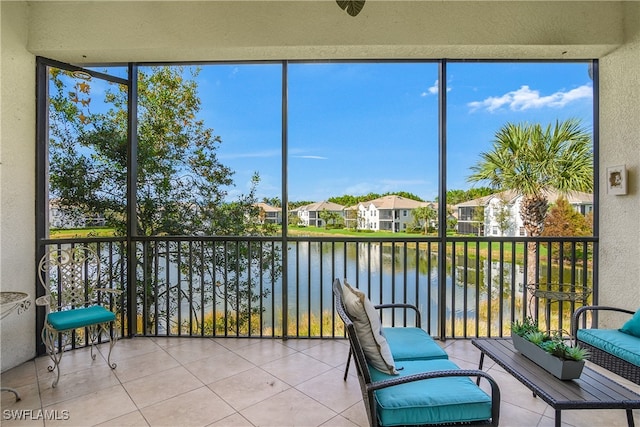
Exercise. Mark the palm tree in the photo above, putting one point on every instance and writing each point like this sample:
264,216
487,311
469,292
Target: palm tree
352,7
424,213
532,160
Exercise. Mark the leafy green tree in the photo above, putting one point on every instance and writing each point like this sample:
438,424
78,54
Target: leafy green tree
181,187
295,205
532,160
272,201
293,219
477,216
349,200
564,220
503,217
345,200
455,197
406,195
351,218
451,223
477,192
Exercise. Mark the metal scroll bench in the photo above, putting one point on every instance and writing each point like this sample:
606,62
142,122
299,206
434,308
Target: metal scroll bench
74,302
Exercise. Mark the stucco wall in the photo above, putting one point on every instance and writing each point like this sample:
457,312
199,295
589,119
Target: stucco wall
93,31
207,30
620,145
17,181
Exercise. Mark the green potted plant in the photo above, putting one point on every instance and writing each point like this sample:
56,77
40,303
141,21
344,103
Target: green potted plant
549,351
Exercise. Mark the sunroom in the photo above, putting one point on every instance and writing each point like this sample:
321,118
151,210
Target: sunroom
94,34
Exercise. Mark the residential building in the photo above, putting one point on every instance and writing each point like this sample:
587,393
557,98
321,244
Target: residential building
310,214
499,214
269,214
60,217
388,213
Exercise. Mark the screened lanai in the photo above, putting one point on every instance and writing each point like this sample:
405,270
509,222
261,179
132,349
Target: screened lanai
94,34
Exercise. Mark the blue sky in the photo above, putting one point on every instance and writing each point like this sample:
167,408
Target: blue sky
356,128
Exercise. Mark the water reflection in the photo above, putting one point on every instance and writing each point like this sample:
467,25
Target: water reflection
481,296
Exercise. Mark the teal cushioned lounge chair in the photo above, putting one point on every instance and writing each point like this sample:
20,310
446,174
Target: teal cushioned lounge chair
425,392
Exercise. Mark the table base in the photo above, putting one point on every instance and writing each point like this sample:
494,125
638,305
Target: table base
12,390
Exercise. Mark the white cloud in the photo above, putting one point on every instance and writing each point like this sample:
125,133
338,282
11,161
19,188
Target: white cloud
525,98
433,90
311,157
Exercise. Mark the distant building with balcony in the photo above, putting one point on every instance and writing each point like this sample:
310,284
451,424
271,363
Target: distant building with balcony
269,214
65,217
499,214
388,213
309,215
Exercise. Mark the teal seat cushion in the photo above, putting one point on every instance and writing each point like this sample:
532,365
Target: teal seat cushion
80,317
624,346
632,326
438,400
412,344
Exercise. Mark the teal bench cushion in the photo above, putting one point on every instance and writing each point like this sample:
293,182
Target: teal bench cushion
624,346
438,400
80,317
412,344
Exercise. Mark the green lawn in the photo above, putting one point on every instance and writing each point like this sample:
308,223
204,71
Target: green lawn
318,231
70,233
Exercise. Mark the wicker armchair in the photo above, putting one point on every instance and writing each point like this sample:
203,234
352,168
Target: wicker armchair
406,343
600,356
425,392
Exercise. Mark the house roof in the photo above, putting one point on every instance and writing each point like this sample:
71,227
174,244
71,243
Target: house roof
480,201
319,206
268,208
395,202
574,198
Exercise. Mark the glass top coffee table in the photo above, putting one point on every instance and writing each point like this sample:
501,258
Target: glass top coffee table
12,300
591,391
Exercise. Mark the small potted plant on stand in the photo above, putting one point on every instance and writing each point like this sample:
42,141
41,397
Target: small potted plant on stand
550,352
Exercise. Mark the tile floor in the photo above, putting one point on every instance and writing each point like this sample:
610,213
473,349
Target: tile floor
233,382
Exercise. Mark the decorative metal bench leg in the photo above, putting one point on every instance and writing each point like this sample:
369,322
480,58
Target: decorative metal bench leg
94,333
630,421
49,340
112,342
